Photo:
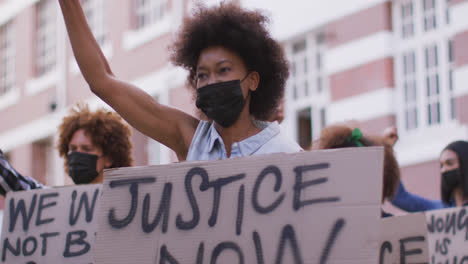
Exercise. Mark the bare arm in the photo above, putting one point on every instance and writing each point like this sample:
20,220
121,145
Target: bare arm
164,124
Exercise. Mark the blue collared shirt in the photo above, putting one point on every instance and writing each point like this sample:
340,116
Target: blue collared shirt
207,144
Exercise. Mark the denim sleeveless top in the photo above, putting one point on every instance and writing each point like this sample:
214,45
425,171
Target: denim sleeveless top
207,144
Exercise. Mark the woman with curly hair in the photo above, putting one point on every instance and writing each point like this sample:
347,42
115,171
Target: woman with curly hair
236,69
342,136
89,142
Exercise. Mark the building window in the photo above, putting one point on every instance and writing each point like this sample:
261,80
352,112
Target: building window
407,19
7,58
424,66
45,36
432,85
94,11
451,65
410,92
429,14
148,12
307,95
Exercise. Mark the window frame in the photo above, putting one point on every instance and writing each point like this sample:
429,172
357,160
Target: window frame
437,73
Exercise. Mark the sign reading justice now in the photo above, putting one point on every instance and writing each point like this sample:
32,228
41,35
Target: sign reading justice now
309,207
53,225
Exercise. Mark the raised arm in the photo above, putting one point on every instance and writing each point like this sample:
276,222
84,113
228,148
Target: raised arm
414,203
164,124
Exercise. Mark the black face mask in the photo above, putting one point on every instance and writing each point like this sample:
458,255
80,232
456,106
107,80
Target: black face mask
223,101
450,180
82,167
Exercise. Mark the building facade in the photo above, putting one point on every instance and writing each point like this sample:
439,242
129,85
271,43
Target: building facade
380,63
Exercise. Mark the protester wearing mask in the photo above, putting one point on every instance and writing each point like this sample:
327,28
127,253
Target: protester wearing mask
454,182
236,69
89,142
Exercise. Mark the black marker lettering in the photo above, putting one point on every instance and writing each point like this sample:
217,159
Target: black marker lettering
163,211
463,224
41,206
217,185
288,234
275,171
465,258
187,225
240,210
28,252
300,185
404,253
201,250
21,209
44,241
450,223
16,251
385,246
431,225
115,223
166,257
84,202
225,246
80,241
440,225
258,247
339,225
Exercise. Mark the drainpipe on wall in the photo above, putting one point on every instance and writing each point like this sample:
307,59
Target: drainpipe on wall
60,95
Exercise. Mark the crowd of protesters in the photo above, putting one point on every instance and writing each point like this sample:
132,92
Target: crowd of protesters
238,73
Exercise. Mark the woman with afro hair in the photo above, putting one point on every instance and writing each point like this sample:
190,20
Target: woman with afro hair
342,136
236,69
89,142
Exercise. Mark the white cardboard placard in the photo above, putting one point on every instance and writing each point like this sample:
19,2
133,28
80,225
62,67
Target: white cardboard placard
448,235
53,225
309,207
404,239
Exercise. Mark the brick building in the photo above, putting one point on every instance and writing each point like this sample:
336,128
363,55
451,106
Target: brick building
379,62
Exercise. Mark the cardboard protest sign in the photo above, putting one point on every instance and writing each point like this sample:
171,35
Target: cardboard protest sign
309,207
404,239
54,225
448,235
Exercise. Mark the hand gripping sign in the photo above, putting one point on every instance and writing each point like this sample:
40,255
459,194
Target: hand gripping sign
309,207
54,225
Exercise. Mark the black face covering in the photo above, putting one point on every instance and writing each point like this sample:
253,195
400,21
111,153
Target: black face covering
461,148
82,167
450,180
223,101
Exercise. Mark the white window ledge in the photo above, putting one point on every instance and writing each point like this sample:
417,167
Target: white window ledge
134,39
426,143
106,49
41,83
9,98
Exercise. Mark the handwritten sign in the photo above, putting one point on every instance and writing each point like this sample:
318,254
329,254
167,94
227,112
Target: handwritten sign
54,225
308,207
404,239
448,235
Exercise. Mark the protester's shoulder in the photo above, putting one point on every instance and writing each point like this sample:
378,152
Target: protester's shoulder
285,144
279,141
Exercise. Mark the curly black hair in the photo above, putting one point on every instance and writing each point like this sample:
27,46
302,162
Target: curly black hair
244,33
